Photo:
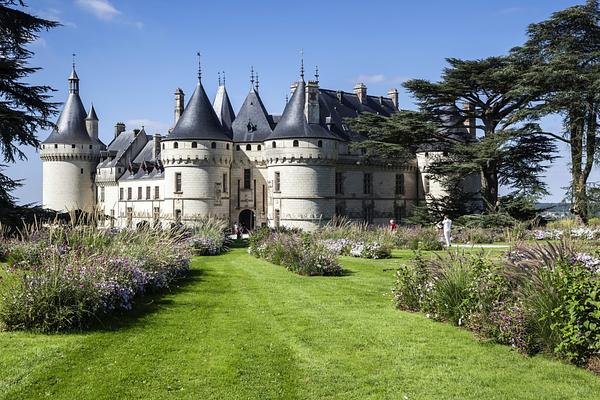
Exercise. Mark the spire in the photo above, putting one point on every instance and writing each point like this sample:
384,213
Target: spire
302,64
256,82
223,78
73,79
199,68
252,76
92,114
219,75
223,108
317,74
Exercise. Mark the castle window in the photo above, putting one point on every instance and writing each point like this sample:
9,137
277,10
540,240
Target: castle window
82,170
121,196
340,209
139,193
295,143
213,145
277,182
237,147
178,182
56,146
194,145
259,147
156,216
148,192
339,182
264,198
72,146
175,145
227,146
129,194
368,213
398,212
102,193
320,143
163,146
156,192
90,146
400,184
112,218
367,183
225,183
247,178
248,147
178,216
129,216
273,144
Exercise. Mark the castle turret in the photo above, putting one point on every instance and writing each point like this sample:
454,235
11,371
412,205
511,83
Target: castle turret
301,156
70,155
223,108
91,123
197,156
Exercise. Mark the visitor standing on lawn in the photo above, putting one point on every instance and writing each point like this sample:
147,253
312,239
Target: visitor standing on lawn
393,225
447,227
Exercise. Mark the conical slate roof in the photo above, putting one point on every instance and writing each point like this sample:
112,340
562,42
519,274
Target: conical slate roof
223,108
92,114
252,123
70,127
293,123
199,120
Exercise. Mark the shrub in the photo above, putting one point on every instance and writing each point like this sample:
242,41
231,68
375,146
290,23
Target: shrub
208,236
69,278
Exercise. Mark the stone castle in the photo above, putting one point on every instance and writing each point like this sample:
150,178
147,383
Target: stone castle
298,169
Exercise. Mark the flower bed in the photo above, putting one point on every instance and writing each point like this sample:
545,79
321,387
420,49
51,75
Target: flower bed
69,278
538,299
294,252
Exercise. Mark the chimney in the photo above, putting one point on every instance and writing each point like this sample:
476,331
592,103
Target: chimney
361,91
393,94
469,112
311,106
119,128
156,146
179,103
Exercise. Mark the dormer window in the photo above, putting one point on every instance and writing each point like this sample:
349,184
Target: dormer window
273,144
90,146
227,146
213,145
72,146
320,143
295,143
237,147
194,145
248,147
175,145
163,146
259,147
56,146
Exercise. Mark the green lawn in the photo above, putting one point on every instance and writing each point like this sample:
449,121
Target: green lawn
241,328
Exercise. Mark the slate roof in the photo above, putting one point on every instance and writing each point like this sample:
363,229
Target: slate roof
92,114
293,123
199,120
223,108
253,123
118,147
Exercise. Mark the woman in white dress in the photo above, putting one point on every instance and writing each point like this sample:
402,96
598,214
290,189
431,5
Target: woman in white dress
447,226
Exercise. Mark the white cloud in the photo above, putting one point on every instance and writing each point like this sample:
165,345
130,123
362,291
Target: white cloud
380,78
149,125
54,14
102,9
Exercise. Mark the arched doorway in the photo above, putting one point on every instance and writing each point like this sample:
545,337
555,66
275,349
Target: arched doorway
247,219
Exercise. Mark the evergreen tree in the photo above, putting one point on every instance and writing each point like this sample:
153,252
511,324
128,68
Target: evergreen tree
565,53
24,108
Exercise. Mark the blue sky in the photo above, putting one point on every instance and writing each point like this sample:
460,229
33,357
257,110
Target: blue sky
132,55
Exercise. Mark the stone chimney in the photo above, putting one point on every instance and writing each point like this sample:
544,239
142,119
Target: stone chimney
393,94
311,106
119,128
470,123
179,103
361,91
156,146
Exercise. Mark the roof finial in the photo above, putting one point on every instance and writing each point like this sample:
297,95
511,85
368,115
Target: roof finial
219,75
317,74
199,68
73,60
287,99
256,82
223,78
302,64
252,75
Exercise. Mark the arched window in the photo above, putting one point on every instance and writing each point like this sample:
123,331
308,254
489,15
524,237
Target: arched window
248,147
213,145
56,146
295,143
259,147
237,147
175,145
320,143
273,144
194,145
227,146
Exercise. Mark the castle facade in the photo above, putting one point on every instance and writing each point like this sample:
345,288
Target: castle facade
298,169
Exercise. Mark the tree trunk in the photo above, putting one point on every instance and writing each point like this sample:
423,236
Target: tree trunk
578,178
489,186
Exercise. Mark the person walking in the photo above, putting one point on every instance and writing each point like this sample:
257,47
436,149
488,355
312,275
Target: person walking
447,227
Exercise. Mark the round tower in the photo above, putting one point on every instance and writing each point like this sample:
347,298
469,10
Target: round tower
70,156
301,157
197,158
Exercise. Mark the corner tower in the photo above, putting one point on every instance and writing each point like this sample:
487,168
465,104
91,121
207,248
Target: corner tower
70,156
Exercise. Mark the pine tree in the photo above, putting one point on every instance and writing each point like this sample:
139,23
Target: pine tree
24,108
565,53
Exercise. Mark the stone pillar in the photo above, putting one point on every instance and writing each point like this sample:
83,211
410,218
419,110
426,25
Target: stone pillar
179,104
119,128
361,91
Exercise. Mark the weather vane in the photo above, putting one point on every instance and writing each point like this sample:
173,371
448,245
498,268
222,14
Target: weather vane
302,63
199,67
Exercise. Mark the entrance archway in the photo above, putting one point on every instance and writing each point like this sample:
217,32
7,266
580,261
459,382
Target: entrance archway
247,219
